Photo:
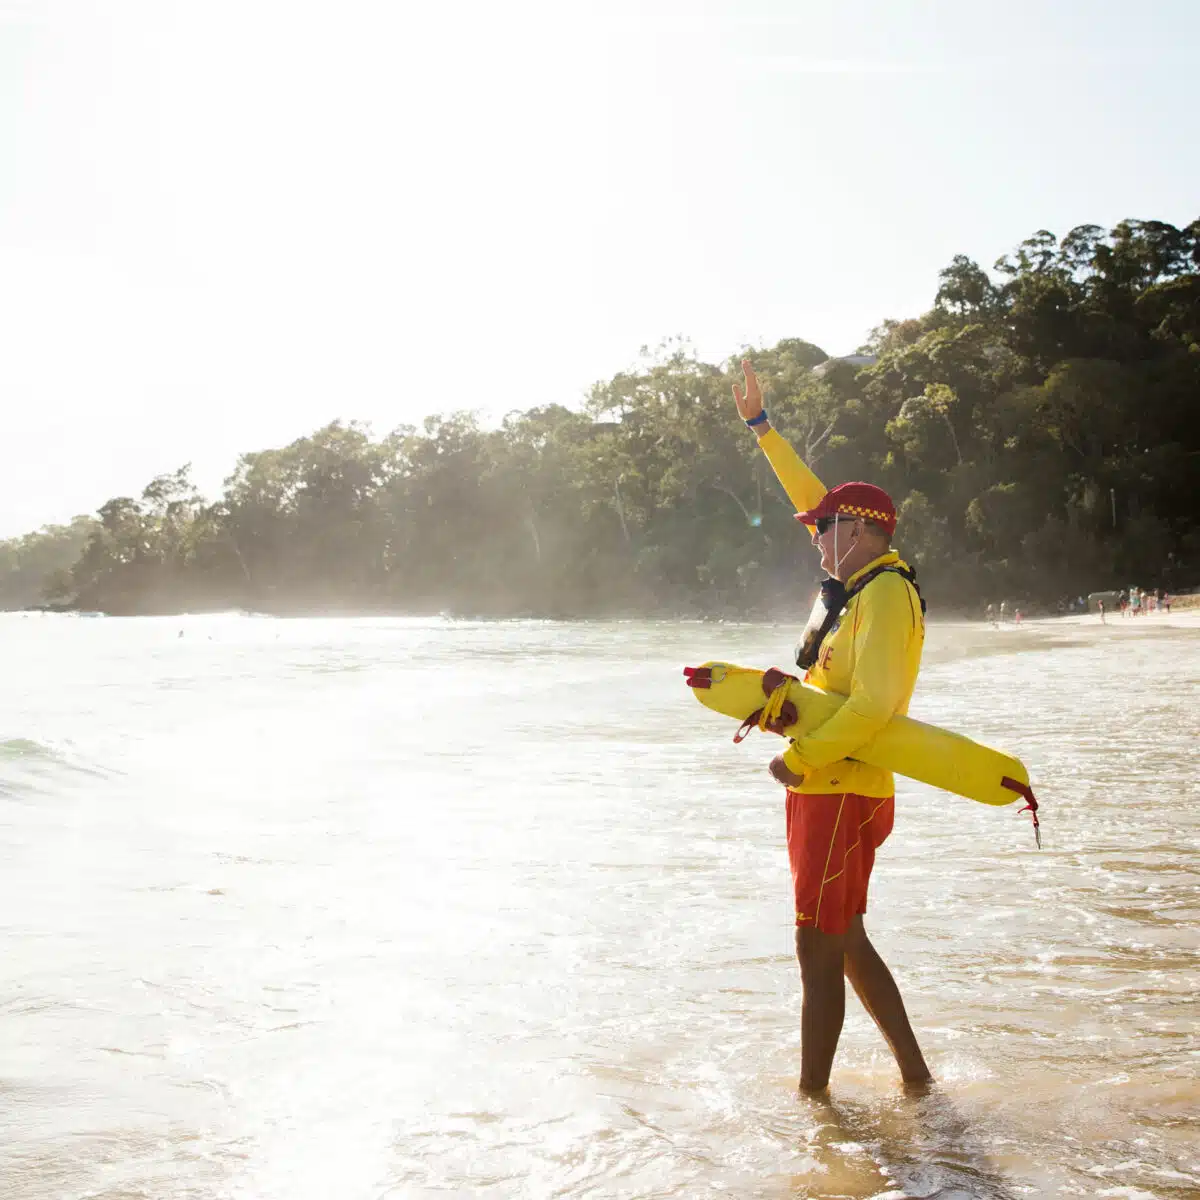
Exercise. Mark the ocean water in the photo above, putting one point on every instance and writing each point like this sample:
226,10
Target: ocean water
343,909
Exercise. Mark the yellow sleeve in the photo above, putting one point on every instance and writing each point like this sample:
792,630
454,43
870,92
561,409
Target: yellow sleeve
803,488
878,685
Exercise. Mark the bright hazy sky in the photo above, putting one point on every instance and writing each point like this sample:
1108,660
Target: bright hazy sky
223,224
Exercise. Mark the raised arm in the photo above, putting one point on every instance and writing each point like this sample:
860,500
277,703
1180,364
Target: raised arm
803,488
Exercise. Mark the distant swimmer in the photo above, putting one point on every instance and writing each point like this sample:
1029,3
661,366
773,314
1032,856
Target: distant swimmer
838,811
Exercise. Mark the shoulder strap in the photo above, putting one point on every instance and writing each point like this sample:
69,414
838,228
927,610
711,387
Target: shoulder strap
906,573
807,655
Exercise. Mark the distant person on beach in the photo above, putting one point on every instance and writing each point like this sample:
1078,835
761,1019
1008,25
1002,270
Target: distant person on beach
1003,610
1100,604
839,811
991,616
1017,618
1167,602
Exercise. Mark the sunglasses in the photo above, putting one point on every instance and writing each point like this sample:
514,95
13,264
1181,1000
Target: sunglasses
825,524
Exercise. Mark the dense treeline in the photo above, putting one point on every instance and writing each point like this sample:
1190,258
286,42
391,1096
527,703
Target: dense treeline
1038,427
30,564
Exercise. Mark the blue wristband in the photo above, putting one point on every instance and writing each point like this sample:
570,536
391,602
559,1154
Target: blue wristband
762,416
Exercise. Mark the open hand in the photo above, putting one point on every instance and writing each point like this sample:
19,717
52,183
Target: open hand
749,404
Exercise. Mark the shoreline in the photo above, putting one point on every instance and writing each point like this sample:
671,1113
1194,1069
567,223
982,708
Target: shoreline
1177,618
1076,623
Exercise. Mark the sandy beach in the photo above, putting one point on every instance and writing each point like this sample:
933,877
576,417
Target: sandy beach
1178,618
971,639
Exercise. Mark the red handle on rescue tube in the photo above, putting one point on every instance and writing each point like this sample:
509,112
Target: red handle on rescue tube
1031,804
773,677
751,722
771,681
698,677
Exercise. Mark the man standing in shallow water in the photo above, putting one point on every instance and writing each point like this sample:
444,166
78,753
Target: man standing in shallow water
840,811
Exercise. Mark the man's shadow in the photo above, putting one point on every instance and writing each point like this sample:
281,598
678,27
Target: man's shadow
918,1142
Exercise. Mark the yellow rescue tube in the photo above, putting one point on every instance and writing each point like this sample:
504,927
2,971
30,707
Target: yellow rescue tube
924,752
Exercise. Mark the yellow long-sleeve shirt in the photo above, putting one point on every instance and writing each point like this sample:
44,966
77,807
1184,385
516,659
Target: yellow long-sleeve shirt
871,656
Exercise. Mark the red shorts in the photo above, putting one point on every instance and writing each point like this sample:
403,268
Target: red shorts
832,841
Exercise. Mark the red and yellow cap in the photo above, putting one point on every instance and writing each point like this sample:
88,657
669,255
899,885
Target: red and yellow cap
854,500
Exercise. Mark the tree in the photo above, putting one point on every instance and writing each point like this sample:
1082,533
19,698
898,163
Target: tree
1036,426
32,568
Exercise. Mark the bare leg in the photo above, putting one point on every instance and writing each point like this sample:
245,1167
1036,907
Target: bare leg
822,957
881,998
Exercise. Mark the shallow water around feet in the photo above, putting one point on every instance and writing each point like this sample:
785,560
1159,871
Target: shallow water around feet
329,910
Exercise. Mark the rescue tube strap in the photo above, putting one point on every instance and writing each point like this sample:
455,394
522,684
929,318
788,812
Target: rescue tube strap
778,712
1031,804
838,597
751,722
